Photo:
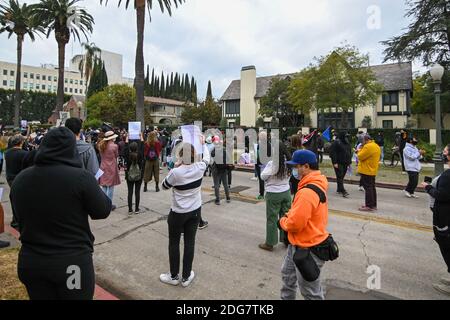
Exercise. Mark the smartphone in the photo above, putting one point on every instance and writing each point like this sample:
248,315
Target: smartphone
428,180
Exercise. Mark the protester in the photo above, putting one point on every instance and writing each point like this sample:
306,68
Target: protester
305,224
109,153
320,147
85,150
52,203
263,144
14,158
439,191
210,146
341,158
369,162
278,197
221,166
185,214
134,171
412,156
296,143
380,142
1,159
152,150
404,137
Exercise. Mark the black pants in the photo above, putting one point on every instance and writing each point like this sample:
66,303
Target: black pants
368,183
14,223
136,186
320,157
341,171
58,279
413,182
186,223
444,245
1,166
221,176
230,176
402,161
261,181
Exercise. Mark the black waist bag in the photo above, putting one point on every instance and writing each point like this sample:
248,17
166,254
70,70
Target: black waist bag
327,250
306,264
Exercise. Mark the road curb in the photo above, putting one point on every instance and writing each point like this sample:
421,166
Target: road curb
99,294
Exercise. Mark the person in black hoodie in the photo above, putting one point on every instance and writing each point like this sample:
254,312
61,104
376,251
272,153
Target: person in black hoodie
52,203
134,170
439,191
341,157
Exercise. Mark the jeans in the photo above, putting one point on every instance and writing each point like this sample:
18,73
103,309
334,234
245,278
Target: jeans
186,223
368,182
341,171
413,181
109,191
218,177
277,205
137,189
291,277
382,154
48,278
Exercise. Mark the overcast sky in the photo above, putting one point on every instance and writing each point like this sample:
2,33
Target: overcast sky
213,39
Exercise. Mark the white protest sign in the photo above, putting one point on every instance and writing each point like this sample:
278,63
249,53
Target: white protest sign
1,194
63,116
191,134
24,124
134,130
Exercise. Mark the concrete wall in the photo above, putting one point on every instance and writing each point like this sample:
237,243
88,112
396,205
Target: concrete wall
248,93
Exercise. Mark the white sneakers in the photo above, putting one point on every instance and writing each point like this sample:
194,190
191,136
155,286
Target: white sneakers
167,279
409,195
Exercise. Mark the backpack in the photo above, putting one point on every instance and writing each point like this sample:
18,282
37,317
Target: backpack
318,191
134,173
152,155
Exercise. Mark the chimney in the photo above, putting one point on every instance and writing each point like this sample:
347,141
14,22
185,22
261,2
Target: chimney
248,93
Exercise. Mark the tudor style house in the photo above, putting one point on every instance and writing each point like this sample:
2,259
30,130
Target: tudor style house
392,110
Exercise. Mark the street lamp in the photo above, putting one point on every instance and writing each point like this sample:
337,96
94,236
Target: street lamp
437,71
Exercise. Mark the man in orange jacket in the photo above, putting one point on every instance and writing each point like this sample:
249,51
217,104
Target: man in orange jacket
305,225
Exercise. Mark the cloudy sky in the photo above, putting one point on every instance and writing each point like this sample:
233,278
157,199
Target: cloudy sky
213,39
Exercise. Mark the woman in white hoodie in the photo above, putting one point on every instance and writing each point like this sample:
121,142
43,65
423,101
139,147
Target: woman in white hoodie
276,177
412,157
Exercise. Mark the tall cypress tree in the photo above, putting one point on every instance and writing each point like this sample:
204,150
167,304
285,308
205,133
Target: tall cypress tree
152,84
104,77
163,86
209,95
187,87
147,82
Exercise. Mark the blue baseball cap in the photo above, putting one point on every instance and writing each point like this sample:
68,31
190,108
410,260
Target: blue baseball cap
302,157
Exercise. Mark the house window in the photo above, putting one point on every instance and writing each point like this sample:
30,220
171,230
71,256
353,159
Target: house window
390,102
5,72
11,73
233,107
25,74
388,124
5,83
43,87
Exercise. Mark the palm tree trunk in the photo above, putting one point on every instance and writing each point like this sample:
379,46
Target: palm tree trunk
61,63
17,98
139,64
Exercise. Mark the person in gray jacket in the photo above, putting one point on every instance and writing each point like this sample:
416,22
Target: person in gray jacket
85,150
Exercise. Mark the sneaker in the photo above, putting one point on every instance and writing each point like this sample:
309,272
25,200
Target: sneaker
361,188
203,225
365,209
414,196
266,247
217,202
345,194
167,279
130,212
407,194
186,282
442,288
228,200
404,173
137,211
254,179
446,281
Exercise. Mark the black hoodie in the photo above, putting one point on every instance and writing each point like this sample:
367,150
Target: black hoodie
54,199
341,150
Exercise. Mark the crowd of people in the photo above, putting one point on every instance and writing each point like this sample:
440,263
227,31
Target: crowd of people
78,170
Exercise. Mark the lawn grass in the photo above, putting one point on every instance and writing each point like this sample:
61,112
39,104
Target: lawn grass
11,288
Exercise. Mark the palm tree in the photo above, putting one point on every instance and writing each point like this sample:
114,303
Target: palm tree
18,20
63,17
140,6
86,65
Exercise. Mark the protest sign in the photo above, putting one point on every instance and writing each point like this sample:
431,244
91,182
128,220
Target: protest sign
191,134
134,130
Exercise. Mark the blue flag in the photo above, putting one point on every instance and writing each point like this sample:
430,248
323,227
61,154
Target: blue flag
327,134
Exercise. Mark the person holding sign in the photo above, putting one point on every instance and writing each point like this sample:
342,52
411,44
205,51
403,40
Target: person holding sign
152,151
134,170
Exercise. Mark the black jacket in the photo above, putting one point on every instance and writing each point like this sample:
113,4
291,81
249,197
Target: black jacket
441,212
14,159
141,159
54,199
341,152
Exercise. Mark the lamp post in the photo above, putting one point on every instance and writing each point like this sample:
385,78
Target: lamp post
437,71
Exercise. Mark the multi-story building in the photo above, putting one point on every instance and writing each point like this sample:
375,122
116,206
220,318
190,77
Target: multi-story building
392,109
163,111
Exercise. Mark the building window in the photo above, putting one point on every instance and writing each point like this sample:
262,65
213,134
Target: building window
5,83
5,72
76,82
233,107
390,102
71,90
55,78
65,89
49,89
25,74
31,86
71,81
43,87
11,83
11,73
31,75
38,87
44,77
66,80
38,77
81,91
388,124
76,91
81,82
25,85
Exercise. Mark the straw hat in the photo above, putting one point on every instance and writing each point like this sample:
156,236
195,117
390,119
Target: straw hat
110,135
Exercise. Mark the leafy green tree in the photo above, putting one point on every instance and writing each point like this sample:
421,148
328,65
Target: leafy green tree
64,18
116,104
208,112
18,20
427,37
140,7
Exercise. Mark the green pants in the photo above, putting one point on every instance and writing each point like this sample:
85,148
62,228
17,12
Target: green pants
277,205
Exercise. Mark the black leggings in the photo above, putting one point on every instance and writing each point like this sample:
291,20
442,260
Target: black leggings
413,181
444,246
1,166
137,192
186,223
58,279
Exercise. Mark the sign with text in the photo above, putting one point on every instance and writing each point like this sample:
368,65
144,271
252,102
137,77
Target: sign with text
63,116
134,130
191,134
